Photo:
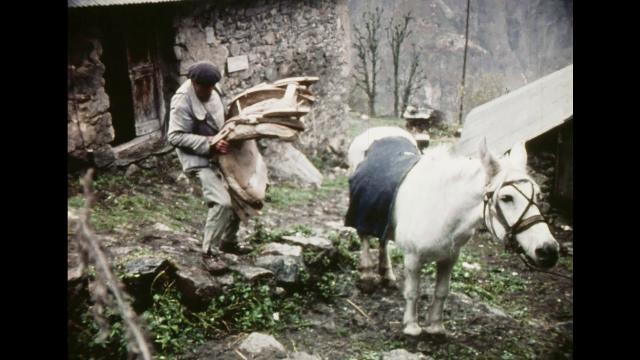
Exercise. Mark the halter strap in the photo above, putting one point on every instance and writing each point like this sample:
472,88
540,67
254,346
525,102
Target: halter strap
519,225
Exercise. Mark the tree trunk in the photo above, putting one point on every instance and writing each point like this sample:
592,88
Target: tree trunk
395,92
372,110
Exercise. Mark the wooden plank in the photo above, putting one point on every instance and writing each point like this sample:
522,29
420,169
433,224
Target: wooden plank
237,63
257,89
147,126
296,112
304,80
249,98
138,147
520,115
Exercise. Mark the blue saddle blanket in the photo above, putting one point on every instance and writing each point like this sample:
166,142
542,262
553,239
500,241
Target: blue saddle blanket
374,184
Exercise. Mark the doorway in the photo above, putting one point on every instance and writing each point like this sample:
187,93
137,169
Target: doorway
133,79
118,86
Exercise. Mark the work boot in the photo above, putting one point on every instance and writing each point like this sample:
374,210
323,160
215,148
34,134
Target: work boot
213,263
235,248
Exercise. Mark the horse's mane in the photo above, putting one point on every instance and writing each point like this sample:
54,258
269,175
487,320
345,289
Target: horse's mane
439,150
449,164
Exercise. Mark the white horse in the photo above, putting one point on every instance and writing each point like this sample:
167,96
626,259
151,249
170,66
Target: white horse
437,207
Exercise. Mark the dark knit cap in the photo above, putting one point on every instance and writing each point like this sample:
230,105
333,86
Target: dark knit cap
204,73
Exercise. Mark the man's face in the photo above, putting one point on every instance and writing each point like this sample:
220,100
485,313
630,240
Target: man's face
203,92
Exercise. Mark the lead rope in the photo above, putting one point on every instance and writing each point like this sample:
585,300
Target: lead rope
521,257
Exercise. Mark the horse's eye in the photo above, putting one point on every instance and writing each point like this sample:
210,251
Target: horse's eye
506,198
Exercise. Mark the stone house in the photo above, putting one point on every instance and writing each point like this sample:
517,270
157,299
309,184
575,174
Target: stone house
127,57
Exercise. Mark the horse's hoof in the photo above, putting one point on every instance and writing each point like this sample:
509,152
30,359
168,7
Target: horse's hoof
435,329
368,283
412,329
390,284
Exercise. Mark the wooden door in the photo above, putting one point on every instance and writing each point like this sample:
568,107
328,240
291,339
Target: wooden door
143,74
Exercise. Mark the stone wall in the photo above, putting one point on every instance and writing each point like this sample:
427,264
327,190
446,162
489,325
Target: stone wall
89,128
281,39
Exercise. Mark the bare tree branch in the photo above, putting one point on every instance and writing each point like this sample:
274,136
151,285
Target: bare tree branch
397,33
366,44
362,82
363,88
414,78
91,252
360,72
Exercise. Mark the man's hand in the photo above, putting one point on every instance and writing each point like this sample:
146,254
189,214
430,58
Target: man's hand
221,147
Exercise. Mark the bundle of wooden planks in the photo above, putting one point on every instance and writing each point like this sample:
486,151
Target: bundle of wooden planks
264,111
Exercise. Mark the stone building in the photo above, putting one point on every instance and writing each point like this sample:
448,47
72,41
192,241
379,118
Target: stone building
127,57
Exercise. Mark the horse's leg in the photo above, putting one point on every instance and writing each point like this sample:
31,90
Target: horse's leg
443,277
368,279
411,289
385,268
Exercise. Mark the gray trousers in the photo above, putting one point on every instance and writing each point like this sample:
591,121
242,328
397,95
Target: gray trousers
222,222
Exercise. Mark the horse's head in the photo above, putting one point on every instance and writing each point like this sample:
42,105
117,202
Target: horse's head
510,207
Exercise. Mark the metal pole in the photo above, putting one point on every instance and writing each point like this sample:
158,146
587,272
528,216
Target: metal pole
464,64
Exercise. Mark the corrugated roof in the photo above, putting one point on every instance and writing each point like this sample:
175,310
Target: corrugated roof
87,3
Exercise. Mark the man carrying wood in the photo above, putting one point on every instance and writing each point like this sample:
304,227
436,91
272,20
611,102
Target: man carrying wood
197,114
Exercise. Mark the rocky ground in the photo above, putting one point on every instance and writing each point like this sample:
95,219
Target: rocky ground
298,286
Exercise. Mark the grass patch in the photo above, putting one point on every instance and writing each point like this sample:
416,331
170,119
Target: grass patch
75,202
135,210
495,286
264,235
566,262
285,195
397,257
175,330
357,125
372,350
345,248
340,182
123,203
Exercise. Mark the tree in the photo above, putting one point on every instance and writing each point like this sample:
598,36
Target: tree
397,33
414,77
366,44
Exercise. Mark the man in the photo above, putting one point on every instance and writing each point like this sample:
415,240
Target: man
197,114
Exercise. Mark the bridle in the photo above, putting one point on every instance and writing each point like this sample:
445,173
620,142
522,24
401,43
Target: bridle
521,225
517,227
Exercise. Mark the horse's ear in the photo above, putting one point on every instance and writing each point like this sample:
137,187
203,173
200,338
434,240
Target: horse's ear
491,165
518,156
